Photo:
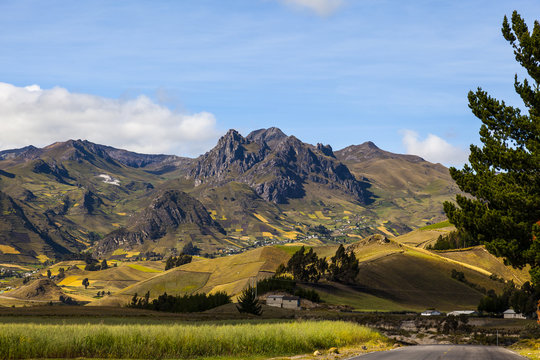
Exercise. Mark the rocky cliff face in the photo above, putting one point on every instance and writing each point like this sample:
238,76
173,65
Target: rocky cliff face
233,155
277,172
166,213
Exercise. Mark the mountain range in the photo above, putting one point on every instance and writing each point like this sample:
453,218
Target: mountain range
263,188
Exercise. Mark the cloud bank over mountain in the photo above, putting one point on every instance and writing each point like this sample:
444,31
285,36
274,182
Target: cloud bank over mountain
31,115
434,149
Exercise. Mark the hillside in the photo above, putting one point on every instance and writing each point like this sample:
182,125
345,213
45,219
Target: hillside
408,189
395,274
262,189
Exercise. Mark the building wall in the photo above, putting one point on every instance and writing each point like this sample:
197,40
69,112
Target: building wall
291,304
276,302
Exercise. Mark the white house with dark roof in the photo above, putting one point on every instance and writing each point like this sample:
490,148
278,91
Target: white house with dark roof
511,314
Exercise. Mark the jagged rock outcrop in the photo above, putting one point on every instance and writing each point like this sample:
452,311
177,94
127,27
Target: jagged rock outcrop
277,172
271,136
230,156
165,213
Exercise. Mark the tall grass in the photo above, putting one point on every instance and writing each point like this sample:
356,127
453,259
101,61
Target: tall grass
19,341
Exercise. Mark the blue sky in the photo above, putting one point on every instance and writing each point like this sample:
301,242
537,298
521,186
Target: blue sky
172,76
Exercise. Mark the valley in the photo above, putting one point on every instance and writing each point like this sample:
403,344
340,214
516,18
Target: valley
244,208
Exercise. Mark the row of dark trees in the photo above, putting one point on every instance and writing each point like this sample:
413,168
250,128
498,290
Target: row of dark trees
306,266
522,300
453,240
180,304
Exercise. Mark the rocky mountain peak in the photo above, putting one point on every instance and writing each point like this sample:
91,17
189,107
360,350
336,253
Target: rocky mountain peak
29,151
368,151
271,136
232,155
326,150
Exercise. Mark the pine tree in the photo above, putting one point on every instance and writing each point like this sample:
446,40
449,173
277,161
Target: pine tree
248,302
503,176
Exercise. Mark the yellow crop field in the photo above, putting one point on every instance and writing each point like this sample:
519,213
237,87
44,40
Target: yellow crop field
119,252
321,216
133,253
42,258
15,266
312,216
143,268
233,243
70,281
6,249
290,235
260,217
267,234
115,224
239,230
121,214
347,212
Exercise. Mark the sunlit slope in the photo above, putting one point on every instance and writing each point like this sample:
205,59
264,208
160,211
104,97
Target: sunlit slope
476,258
230,274
479,256
408,189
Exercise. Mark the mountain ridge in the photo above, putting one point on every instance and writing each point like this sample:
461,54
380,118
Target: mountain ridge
264,187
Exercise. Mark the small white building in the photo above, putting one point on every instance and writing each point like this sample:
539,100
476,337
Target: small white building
283,301
431,313
462,312
511,314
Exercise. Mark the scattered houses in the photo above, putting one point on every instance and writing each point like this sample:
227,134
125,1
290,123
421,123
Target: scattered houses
511,314
283,301
431,313
462,312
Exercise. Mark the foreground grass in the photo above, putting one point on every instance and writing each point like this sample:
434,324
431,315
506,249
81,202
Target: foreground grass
529,348
19,341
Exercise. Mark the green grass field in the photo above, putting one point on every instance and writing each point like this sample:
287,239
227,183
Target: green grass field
140,341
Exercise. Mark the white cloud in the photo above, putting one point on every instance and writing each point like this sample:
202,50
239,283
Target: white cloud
434,149
33,116
321,7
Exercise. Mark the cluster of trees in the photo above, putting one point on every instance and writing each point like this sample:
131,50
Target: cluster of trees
61,274
94,265
175,261
277,283
453,240
306,266
180,304
103,293
522,300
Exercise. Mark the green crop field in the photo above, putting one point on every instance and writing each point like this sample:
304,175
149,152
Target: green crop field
142,341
